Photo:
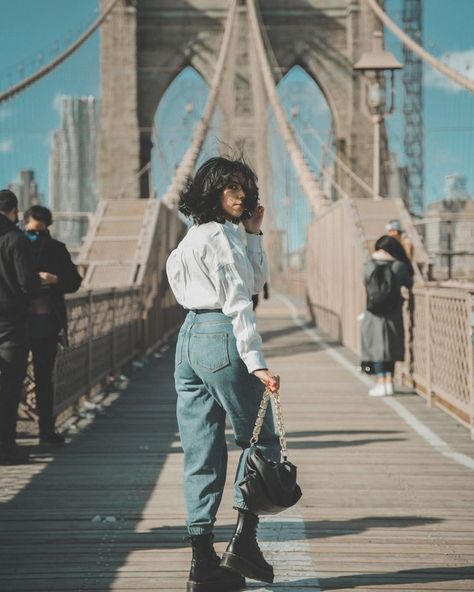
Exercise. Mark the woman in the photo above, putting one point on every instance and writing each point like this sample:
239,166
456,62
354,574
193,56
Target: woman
383,340
219,366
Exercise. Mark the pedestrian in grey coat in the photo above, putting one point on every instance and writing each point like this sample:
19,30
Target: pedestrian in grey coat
383,341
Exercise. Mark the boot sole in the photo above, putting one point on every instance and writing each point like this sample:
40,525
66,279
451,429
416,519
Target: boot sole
246,569
216,587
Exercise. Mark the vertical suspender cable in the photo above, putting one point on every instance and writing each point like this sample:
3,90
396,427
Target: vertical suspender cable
305,175
191,155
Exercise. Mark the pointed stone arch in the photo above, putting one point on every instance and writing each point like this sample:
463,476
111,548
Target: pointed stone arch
146,43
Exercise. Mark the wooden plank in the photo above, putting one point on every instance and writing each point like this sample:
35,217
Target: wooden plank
382,510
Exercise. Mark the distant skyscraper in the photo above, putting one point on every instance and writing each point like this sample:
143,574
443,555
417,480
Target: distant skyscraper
26,190
72,174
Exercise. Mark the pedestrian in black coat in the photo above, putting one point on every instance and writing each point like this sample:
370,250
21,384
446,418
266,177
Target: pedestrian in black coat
47,317
19,282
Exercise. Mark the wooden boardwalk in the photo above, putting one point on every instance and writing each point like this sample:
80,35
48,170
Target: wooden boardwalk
382,508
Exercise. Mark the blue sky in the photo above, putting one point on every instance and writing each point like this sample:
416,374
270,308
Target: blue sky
31,27
449,111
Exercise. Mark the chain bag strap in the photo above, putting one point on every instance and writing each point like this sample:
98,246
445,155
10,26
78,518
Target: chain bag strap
279,416
269,487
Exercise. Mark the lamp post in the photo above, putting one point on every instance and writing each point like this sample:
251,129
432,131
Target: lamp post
373,64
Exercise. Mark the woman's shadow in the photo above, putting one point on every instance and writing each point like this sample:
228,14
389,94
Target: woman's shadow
402,578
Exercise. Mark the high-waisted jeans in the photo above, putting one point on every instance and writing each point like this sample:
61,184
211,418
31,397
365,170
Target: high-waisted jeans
212,381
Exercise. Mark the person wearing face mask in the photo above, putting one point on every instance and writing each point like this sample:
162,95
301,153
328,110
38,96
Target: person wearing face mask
47,318
19,282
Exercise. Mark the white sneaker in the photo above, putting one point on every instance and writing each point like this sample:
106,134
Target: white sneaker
389,388
378,390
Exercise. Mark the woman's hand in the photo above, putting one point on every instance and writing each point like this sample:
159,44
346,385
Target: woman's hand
254,223
270,380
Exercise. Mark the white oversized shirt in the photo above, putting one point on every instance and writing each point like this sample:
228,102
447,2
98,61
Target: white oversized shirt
213,268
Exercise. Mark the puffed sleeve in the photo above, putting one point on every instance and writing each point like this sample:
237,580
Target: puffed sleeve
237,304
258,259
175,267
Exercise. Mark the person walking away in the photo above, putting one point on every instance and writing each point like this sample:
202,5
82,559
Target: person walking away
47,317
19,282
219,366
383,341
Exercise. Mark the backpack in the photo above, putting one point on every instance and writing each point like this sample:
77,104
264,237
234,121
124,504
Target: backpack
383,290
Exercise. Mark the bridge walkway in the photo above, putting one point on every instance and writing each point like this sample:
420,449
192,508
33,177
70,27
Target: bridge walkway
383,509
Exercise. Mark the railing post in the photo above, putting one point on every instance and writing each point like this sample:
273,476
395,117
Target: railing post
470,333
89,341
114,331
429,392
144,320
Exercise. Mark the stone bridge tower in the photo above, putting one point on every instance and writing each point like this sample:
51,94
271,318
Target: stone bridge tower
145,44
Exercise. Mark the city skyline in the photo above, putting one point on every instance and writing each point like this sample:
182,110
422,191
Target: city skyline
73,164
25,139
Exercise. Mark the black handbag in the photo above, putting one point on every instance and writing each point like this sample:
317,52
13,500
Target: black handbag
269,487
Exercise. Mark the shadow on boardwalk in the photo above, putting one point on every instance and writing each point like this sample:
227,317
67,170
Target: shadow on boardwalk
375,580
402,577
314,529
128,465
48,541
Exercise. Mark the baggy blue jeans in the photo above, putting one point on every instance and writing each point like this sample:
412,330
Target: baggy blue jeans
211,382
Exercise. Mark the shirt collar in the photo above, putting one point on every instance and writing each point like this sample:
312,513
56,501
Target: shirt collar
231,225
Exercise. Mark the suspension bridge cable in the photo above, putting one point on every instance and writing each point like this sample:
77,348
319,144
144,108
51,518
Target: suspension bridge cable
317,162
305,175
343,165
145,169
419,50
191,155
21,86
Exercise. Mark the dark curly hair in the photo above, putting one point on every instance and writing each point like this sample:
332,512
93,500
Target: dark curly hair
39,213
394,248
201,197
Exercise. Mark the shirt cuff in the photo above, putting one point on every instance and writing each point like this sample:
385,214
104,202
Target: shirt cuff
254,243
254,360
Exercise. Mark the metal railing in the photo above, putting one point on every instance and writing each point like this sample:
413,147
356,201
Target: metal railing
439,354
439,320
109,327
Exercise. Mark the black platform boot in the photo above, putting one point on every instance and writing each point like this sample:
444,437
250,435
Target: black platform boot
205,574
243,553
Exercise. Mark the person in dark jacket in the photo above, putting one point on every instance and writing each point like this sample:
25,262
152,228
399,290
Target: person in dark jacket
47,318
383,341
19,282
